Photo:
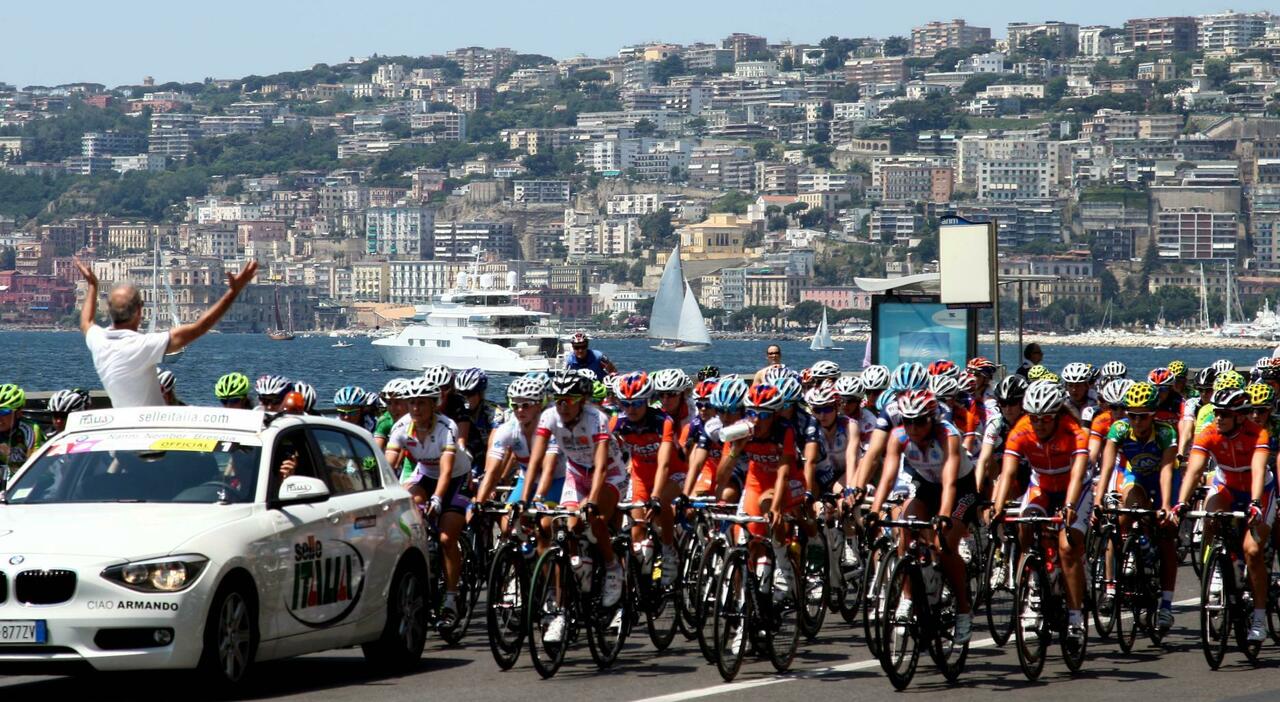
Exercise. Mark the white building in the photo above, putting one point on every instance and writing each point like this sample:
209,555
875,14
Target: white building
416,282
990,62
1231,31
399,231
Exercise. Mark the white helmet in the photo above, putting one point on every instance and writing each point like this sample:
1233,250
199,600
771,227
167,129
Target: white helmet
1044,397
944,387
527,388
670,380
824,369
395,387
848,386
1114,369
1077,373
819,396
1113,392
1222,365
874,378
439,377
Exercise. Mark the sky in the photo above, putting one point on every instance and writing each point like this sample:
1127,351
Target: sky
118,43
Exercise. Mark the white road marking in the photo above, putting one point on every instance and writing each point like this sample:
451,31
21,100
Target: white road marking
728,688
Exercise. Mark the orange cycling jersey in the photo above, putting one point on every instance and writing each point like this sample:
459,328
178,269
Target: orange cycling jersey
764,456
1050,460
678,436
641,440
1234,453
967,421
1101,424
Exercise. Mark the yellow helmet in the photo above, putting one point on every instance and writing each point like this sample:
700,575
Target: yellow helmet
1142,396
1051,377
1260,395
1036,372
1228,380
1178,369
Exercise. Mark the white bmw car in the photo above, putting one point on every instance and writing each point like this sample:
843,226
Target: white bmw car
192,537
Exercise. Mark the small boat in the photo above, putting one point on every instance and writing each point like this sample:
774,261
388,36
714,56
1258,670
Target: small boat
676,318
280,333
822,337
342,345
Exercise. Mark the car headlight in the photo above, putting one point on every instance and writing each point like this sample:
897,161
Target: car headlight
167,574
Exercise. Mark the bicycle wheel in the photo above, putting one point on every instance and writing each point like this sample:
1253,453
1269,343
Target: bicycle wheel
550,597
1072,652
691,545
948,655
505,608
1215,609
608,627
1032,628
1149,604
1186,547
661,612
1128,593
1273,601
705,602
1198,551
900,625
468,592
813,587
998,591
874,605
732,614
1104,589
782,636
853,574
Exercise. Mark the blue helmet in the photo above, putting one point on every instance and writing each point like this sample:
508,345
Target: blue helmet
470,380
349,396
790,389
729,395
908,376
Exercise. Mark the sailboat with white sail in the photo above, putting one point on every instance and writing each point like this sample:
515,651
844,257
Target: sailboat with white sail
676,318
280,332
157,270
822,338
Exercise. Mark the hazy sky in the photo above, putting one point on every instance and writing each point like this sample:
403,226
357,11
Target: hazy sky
59,41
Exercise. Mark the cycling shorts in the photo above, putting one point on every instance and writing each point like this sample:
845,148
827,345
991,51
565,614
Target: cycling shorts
1037,501
557,487
751,503
1240,499
930,494
456,496
577,484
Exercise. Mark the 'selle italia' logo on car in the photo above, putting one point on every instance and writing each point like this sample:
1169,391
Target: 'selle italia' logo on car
328,579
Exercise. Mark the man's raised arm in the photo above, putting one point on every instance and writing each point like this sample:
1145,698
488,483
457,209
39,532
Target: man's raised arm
90,307
183,335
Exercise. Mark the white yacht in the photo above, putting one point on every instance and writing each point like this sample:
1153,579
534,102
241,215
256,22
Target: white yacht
474,326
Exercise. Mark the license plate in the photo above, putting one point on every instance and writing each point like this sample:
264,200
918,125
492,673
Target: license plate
24,632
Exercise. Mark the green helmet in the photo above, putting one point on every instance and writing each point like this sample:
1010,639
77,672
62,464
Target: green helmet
12,397
1036,372
1229,380
1260,395
232,386
599,391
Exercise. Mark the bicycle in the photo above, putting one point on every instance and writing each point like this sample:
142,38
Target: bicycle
1227,604
1137,579
651,597
746,605
567,581
508,585
1040,602
999,581
931,618
700,589
1102,557
883,551
468,589
844,548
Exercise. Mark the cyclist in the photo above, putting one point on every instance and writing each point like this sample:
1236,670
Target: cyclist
1112,370
63,403
833,469
373,408
19,438
1110,408
1180,377
430,440
585,357
1241,481
983,372
1169,405
1142,452
954,407
595,475
479,417
1203,385
727,402
232,390
271,390
168,388
349,401
1078,378
650,437
907,376
1050,439
1009,394
708,373
509,444
393,393
671,386
925,453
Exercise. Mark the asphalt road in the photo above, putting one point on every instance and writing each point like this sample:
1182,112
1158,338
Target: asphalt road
837,665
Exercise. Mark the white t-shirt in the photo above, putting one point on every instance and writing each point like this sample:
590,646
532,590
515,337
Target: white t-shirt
126,364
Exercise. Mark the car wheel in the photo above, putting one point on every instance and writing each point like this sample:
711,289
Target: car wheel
230,635
405,634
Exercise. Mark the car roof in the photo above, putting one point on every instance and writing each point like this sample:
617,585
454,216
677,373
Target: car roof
255,421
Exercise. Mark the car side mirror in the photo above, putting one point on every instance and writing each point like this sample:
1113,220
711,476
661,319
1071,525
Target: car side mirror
301,490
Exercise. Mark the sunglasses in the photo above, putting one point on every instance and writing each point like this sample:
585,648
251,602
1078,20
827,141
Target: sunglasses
1228,414
632,404
917,421
566,399
670,394
225,403
759,414
580,348
1139,415
525,405
701,404
1043,418
348,411
825,409
271,399
774,353
6,412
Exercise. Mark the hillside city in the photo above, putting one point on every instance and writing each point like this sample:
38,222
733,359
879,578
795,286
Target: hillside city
1133,166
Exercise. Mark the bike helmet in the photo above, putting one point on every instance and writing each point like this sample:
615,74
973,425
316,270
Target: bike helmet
777,372
968,382
981,364
1178,369
293,403
232,386
1228,380
848,386
671,380
421,387
1267,368
765,397
943,387
1114,369
729,395
791,390
1051,377
599,392
1011,389
308,395
823,370
1204,379
1113,392
1036,372
1222,365
703,389
820,396
12,397
1230,399
526,389
635,386
944,367
168,381
438,376
395,387
1077,373
569,384
1142,396
1260,395
271,386
587,373
68,401
707,372
374,401
579,338
1160,377
350,396
913,404
1044,397
806,377
908,376
874,378
469,380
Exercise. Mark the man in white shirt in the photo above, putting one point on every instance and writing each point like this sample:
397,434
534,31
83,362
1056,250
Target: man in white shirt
126,360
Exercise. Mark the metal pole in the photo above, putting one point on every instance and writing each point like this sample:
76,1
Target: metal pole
995,310
1020,308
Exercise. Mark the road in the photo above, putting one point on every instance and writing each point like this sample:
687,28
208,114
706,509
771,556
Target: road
837,665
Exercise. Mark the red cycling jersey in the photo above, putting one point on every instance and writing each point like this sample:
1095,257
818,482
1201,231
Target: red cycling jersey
1233,454
1101,424
1050,460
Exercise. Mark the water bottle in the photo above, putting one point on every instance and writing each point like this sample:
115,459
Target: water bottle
582,566
644,554
738,430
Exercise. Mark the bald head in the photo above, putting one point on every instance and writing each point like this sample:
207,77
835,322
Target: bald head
124,304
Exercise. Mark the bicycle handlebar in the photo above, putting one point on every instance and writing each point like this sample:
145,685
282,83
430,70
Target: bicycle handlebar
1201,514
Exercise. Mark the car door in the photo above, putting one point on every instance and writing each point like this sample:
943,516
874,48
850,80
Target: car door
313,589
364,517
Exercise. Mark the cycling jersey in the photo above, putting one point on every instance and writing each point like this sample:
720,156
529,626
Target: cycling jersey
1141,456
1170,410
642,440
23,440
866,424
577,443
426,453
594,362
1204,417
1233,453
1050,460
510,437
1190,409
996,432
708,439
889,417
833,451
1084,411
383,428
764,459
1101,424
926,462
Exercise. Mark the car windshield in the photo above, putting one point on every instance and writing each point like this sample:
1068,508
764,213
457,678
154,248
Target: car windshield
141,467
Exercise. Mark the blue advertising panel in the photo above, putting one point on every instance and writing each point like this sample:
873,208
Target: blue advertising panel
906,329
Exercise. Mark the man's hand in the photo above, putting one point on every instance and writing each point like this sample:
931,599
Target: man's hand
235,281
86,272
